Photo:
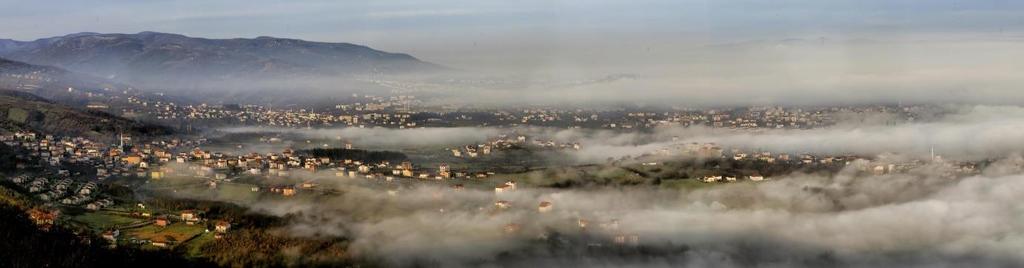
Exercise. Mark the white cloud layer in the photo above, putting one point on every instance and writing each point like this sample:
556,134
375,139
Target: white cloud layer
847,220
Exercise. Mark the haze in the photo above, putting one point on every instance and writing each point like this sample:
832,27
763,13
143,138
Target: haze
453,133
691,52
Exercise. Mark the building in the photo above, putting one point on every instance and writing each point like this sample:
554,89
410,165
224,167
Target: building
288,191
132,160
43,217
707,179
502,204
623,239
502,188
222,226
160,243
162,221
444,171
189,216
111,235
511,185
545,207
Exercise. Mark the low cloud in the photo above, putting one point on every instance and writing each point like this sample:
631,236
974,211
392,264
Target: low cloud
919,218
849,219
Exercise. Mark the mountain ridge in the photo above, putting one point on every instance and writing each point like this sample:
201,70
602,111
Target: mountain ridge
159,57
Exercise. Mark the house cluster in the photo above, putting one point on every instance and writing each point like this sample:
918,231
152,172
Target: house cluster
938,166
25,80
54,151
751,117
756,117
401,109
744,117
220,167
361,111
507,142
803,159
369,103
190,217
712,150
123,158
876,167
398,110
63,190
763,117
385,170
720,178
283,190
146,159
540,116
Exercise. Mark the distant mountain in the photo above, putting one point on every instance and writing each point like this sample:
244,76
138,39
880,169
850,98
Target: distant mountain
24,111
162,57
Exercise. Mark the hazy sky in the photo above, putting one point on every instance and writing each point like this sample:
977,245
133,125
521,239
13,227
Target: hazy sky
448,31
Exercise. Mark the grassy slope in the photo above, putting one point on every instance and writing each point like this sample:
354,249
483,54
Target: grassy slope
23,111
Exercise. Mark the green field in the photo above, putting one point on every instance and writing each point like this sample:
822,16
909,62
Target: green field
239,192
582,175
103,220
686,184
194,247
177,232
17,115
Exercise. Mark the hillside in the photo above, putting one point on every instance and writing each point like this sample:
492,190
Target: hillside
53,83
10,66
46,81
24,76
22,244
150,57
24,111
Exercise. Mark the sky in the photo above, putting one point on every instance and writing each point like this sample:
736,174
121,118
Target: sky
465,33
682,52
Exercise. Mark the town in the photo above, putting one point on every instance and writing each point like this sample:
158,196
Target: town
652,133
62,173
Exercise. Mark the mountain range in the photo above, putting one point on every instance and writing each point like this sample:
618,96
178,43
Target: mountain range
152,58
